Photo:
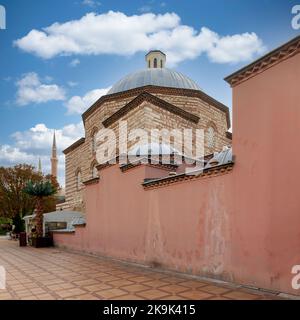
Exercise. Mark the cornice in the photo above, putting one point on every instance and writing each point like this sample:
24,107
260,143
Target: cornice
274,57
91,181
210,172
74,145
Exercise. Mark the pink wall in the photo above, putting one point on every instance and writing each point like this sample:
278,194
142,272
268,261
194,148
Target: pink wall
266,216
172,226
243,226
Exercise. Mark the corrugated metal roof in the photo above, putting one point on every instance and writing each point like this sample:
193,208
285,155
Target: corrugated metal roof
161,77
72,218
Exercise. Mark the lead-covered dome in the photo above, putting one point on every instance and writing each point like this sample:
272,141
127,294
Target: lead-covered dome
161,77
155,75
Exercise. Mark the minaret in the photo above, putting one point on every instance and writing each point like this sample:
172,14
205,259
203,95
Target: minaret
40,166
54,159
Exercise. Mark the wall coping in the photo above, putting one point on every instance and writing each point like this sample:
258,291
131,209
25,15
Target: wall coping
209,172
91,181
272,58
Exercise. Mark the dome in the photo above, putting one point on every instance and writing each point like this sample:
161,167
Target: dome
221,158
161,77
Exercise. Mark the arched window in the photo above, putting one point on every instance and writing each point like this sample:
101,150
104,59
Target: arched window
211,137
155,63
93,139
78,180
94,171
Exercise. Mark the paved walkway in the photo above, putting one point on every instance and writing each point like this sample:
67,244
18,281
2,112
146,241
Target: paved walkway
53,273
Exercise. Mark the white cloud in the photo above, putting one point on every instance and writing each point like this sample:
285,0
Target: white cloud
36,142
235,48
39,138
91,3
13,155
31,90
117,33
78,104
74,63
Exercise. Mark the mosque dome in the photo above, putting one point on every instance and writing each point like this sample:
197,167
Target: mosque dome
155,75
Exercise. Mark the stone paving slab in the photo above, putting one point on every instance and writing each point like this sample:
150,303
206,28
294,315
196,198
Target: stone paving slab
56,274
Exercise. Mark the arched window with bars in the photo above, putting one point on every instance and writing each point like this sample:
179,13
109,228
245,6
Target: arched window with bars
94,170
211,136
93,140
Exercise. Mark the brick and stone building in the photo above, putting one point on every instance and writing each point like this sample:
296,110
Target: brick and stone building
153,98
238,219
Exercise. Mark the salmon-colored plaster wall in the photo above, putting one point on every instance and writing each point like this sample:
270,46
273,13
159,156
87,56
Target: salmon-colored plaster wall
182,227
243,226
266,218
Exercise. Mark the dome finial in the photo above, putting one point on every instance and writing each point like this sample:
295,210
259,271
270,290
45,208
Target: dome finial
155,59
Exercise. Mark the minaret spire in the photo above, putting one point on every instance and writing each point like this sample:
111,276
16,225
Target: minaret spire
54,159
40,166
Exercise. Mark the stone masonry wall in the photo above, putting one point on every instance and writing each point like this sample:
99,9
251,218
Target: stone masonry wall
145,116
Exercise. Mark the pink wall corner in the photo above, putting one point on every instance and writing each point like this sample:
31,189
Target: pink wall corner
266,218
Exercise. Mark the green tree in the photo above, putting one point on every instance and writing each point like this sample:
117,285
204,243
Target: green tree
14,202
39,190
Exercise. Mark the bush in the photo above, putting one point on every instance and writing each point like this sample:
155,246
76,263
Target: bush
5,225
5,220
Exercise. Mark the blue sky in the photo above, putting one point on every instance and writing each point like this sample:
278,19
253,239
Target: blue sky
49,76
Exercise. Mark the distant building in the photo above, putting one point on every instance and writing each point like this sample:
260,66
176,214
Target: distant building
54,160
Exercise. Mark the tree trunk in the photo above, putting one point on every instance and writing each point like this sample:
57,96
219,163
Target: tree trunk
39,217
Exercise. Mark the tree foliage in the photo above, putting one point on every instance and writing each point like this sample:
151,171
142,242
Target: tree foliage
39,189
13,199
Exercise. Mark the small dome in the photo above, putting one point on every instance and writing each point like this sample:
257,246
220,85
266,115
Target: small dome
161,77
221,158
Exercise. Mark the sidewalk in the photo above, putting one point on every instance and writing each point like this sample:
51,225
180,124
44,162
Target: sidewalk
52,273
